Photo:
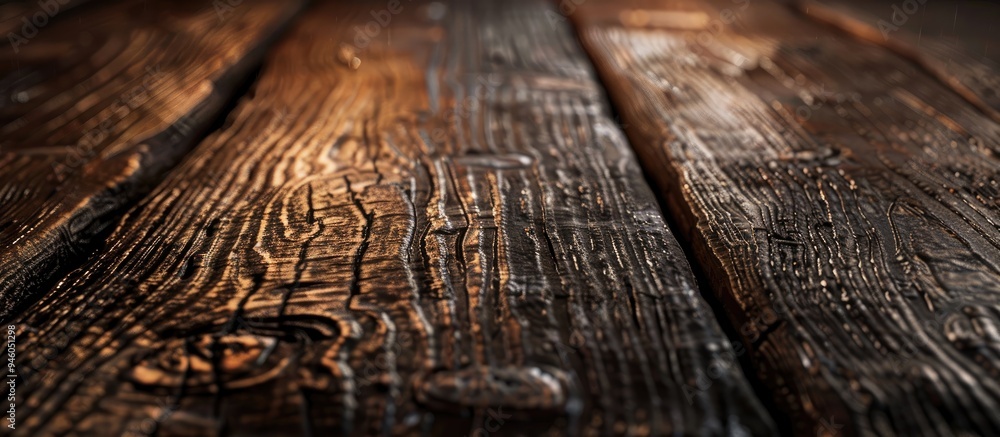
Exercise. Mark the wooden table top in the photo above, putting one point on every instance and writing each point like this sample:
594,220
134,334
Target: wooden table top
493,218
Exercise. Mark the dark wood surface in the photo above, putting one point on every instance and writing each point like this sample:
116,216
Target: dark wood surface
14,13
842,199
97,105
441,231
956,41
424,218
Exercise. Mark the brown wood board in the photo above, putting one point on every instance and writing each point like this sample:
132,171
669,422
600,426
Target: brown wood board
436,230
956,41
100,104
843,200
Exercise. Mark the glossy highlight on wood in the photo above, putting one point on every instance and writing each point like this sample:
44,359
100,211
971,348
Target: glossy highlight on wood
434,218
843,199
101,105
431,233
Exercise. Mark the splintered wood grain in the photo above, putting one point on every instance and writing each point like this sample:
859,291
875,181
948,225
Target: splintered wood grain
96,105
435,230
844,201
955,40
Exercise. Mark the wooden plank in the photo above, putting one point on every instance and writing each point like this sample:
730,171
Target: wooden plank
437,230
96,107
955,41
843,200
20,20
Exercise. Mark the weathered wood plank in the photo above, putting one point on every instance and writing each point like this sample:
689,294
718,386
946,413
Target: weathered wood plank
96,106
436,231
955,40
843,200
20,20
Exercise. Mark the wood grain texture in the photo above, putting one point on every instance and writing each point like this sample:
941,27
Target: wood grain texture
96,106
14,13
843,200
956,41
439,231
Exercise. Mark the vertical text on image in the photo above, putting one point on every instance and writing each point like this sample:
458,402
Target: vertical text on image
11,375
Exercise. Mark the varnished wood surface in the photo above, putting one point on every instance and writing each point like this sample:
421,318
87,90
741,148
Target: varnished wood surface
956,41
843,199
39,14
96,105
440,232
